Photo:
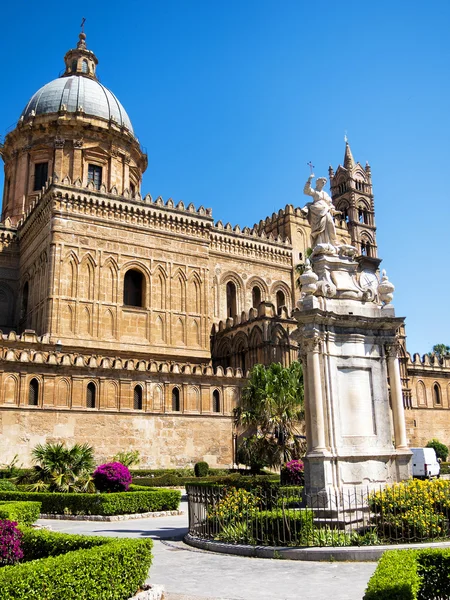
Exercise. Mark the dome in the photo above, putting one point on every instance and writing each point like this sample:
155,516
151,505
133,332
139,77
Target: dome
74,93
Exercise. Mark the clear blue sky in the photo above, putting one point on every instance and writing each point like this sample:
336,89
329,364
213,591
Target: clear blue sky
232,99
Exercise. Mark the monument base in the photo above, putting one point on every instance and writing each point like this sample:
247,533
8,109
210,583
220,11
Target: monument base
331,481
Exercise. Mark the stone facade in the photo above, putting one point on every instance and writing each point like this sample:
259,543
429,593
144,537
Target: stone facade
130,322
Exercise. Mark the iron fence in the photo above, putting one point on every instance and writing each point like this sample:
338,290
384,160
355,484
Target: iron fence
286,516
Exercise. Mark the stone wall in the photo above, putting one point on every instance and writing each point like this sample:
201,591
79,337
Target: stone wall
163,441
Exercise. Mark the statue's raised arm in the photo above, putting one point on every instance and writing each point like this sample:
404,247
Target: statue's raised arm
319,213
307,189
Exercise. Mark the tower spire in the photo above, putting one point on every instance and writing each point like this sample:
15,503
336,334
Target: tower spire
349,161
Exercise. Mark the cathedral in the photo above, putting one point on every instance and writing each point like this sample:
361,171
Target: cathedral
129,322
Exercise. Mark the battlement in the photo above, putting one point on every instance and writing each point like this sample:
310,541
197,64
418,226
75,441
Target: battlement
29,348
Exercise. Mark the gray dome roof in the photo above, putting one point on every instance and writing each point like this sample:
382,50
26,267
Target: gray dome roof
75,91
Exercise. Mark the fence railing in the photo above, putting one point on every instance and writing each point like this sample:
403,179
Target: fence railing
285,516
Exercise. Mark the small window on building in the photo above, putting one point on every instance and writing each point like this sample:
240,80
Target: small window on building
33,392
85,67
216,401
133,288
90,395
132,189
256,297
363,249
437,394
231,300
40,175
137,402
281,301
176,399
95,175
74,66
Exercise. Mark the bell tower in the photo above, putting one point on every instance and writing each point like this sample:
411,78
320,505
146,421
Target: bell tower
351,192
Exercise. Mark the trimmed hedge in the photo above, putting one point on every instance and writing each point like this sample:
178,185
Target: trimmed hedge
411,575
7,486
93,568
24,513
120,503
288,527
395,577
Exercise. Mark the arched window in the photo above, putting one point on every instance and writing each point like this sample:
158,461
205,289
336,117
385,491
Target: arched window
363,249
90,395
437,394
256,296
176,399
85,67
216,401
24,310
281,301
133,288
33,392
231,300
137,399
74,65
360,215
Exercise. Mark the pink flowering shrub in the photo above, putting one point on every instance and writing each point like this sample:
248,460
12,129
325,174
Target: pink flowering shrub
10,544
293,473
112,477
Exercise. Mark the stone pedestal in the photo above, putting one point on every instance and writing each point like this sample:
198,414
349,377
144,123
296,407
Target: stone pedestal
348,347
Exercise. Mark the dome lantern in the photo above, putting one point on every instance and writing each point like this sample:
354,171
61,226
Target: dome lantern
80,60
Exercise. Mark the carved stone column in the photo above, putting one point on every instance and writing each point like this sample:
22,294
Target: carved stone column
59,157
312,346
77,168
398,411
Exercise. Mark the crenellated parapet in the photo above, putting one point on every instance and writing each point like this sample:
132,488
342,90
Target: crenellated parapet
250,244
429,363
68,199
27,347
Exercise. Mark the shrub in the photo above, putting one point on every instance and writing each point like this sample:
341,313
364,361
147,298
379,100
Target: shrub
440,449
128,458
101,504
283,527
293,473
25,513
395,577
77,567
60,469
7,486
201,469
10,547
112,477
235,505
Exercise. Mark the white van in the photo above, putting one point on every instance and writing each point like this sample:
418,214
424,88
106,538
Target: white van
424,463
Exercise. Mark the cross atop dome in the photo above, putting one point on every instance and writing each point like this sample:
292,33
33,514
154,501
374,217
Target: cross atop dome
80,60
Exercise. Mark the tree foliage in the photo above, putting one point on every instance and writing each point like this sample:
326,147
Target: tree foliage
440,449
271,406
440,350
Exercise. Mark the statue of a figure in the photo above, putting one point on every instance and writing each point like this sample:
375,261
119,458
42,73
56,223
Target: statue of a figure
320,213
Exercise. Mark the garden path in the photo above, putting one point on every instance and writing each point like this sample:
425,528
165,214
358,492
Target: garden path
190,574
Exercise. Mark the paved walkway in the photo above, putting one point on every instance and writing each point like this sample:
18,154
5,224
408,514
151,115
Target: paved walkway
189,574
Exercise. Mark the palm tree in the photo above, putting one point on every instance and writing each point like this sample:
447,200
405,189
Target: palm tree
61,469
272,406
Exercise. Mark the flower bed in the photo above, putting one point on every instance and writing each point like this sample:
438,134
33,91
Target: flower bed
76,567
412,511
119,503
